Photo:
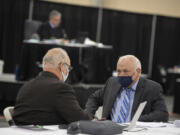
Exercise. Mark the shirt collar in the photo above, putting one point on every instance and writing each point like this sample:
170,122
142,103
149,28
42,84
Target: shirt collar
52,25
134,86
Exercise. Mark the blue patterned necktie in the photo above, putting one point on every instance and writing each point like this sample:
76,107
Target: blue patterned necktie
122,111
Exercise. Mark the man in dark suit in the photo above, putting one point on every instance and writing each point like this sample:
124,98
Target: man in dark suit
47,99
52,28
122,95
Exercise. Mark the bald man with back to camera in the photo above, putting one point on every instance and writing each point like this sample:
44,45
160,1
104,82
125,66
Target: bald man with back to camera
122,95
47,99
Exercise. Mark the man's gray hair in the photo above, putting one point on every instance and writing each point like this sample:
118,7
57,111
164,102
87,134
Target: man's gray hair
134,58
53,57
54,13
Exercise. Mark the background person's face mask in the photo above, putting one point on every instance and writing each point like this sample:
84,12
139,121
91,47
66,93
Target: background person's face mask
125,81
65,76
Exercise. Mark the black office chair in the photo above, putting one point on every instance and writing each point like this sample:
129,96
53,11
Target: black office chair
31,27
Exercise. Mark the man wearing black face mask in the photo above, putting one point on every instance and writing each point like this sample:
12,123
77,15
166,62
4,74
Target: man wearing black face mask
122,95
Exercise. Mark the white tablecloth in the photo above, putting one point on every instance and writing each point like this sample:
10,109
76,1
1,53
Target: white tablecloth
170,129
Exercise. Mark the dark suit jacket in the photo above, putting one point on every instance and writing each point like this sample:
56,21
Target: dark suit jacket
146,90
45,101
45,31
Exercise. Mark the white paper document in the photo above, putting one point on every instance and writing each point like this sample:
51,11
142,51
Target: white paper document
150,124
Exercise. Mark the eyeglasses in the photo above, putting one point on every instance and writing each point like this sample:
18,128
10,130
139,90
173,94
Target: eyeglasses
69,67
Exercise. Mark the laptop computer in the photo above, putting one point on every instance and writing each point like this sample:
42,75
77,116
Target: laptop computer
131,125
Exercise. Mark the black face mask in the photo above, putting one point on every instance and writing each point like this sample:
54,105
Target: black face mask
125,81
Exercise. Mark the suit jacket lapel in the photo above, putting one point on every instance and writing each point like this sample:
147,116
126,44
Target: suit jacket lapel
137,96
111,98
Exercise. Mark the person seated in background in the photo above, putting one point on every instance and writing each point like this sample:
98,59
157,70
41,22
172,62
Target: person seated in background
47,99
122,95
52,28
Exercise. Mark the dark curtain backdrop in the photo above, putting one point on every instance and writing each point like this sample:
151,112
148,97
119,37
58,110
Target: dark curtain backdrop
128,33
12,16
74,18
167,44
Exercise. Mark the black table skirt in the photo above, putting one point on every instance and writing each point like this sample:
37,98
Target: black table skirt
171,83
95,67
176,106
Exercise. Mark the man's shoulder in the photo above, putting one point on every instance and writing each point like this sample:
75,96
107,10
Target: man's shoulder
45,25
142,80
48,82
150,85
112,82
56,83
60,86
64,85
149,82
112,79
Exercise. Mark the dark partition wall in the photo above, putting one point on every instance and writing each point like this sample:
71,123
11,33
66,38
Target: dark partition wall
74,18
128,33
12,16
167,43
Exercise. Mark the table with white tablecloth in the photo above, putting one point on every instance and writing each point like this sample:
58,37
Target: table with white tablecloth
91,64
168,129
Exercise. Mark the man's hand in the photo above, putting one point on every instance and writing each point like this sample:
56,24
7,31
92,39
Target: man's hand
95,118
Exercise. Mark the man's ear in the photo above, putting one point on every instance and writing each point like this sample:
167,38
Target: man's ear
138,70
60,66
